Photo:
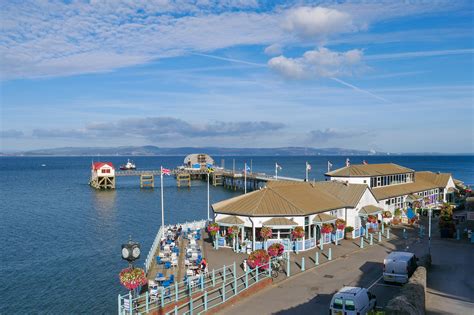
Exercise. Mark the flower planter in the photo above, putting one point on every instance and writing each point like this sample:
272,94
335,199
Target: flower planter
348,235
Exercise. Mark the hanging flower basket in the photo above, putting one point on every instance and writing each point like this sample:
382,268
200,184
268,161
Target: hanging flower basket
258,259
213,228
266,232
232,231
372,219
340,224
276,249
298,232
327,228
386,214
132,278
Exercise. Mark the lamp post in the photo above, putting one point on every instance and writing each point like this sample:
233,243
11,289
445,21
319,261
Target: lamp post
429,230
130,252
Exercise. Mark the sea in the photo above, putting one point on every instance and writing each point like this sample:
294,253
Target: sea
63,238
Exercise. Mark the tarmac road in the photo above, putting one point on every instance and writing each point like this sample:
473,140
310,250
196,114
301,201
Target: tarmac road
311,292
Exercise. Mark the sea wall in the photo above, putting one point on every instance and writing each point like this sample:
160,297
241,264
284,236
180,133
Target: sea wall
412,297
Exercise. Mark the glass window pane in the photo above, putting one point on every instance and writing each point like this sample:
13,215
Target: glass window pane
350,305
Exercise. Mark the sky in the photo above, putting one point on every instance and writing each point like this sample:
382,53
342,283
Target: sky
390,76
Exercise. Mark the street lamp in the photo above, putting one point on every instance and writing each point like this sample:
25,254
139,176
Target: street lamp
131,251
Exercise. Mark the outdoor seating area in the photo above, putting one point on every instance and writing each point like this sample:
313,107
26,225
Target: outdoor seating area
194,262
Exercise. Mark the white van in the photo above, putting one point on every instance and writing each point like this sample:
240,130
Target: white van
399,266
352,301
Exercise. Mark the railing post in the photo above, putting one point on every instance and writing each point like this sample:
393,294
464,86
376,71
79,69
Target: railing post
366,232
162,297
235,279
362,241
288,264
191,306
223,292
119,305
147,306
316,259
176,310
330,253
176,291
382,226
302,263
188,284
380,237
130,302
213,277
371,239
205,300
202,282
256,274
224,273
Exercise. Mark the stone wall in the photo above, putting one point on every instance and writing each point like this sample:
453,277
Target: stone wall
411,299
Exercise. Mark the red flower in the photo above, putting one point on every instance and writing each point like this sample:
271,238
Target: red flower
266,232
298,232
258,259
132,278
276,249
327,228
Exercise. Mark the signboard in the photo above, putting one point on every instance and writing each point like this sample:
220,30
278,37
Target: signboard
126,304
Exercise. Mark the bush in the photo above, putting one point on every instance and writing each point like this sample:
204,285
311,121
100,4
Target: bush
348,229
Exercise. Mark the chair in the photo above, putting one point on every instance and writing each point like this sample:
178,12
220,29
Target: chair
158,260
160,274
174,263
171,278
166,283
167,265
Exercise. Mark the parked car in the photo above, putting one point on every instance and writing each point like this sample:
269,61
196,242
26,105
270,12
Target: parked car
352,301
399,266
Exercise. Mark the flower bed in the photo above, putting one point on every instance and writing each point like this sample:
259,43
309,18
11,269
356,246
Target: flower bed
266,232
327,228
132,278
298,232
340,224
213,228
276,249
258,259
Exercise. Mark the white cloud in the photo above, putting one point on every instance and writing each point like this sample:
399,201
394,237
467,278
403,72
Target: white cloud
321,62
318,22
273,50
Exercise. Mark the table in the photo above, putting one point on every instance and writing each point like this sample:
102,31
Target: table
160,279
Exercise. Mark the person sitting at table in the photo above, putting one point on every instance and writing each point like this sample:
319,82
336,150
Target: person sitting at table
180,229
203,264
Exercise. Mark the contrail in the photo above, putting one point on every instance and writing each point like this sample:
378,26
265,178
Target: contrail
231,60
359,89
264,65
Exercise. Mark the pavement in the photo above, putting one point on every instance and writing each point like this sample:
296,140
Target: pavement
450,281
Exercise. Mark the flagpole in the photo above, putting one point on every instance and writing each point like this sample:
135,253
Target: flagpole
306,171
162,201
208,203
276,171
245,178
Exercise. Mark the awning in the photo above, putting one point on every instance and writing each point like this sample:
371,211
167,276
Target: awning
280,222
413,197
451,190
230,221
370,210
324,218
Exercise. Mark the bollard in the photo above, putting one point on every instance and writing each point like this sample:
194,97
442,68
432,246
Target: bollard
366,232
371,239
404,233
223,292
380,237
383,224
246,279
336,239
302,263
321,245
288,264
235,278
458,235
362,241
388,234
330,253
316,259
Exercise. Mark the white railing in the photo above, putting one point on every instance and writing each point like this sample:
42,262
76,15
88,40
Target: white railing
151,254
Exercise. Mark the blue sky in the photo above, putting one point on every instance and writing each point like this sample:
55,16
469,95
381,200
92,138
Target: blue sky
381,75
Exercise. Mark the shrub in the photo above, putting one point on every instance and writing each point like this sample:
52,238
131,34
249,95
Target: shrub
348,229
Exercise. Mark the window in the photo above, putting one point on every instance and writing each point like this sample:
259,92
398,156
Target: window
306,227
365,182
350,306
337,304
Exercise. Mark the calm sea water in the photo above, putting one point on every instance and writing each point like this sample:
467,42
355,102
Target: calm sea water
62,238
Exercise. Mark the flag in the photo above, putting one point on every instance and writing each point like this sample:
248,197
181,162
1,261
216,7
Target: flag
329,166
278,167
210,169
308,166
364,162
348,162
165,171
246,169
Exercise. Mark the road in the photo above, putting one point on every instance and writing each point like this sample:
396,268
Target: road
311,292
